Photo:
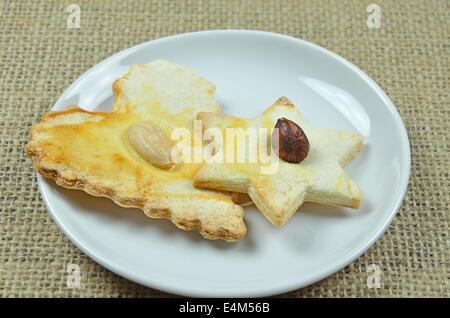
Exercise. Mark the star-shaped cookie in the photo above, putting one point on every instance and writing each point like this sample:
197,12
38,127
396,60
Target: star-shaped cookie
91,151
278,194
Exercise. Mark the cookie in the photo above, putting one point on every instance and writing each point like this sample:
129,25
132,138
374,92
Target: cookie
91,151
279,193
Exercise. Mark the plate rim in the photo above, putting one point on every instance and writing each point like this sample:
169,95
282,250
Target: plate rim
295,284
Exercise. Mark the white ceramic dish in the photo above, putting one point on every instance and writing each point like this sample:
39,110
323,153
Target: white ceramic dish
250,69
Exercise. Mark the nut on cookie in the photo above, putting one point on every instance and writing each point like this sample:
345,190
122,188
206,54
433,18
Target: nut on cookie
317,177
98,153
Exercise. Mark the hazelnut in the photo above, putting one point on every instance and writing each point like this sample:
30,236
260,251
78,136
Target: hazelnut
289,141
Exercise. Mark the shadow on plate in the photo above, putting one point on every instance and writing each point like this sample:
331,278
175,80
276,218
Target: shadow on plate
105,207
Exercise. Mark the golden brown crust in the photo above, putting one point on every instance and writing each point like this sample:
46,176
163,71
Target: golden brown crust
230,228
283,100
86,150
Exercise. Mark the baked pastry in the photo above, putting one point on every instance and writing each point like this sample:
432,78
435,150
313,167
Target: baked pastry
280,190
93,151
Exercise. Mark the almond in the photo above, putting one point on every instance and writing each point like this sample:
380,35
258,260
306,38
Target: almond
151,143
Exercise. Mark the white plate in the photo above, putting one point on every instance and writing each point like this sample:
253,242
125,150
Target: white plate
250,69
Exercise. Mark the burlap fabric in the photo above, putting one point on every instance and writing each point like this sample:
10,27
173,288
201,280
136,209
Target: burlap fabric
408,57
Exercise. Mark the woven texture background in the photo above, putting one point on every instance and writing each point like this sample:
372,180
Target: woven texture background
408,57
